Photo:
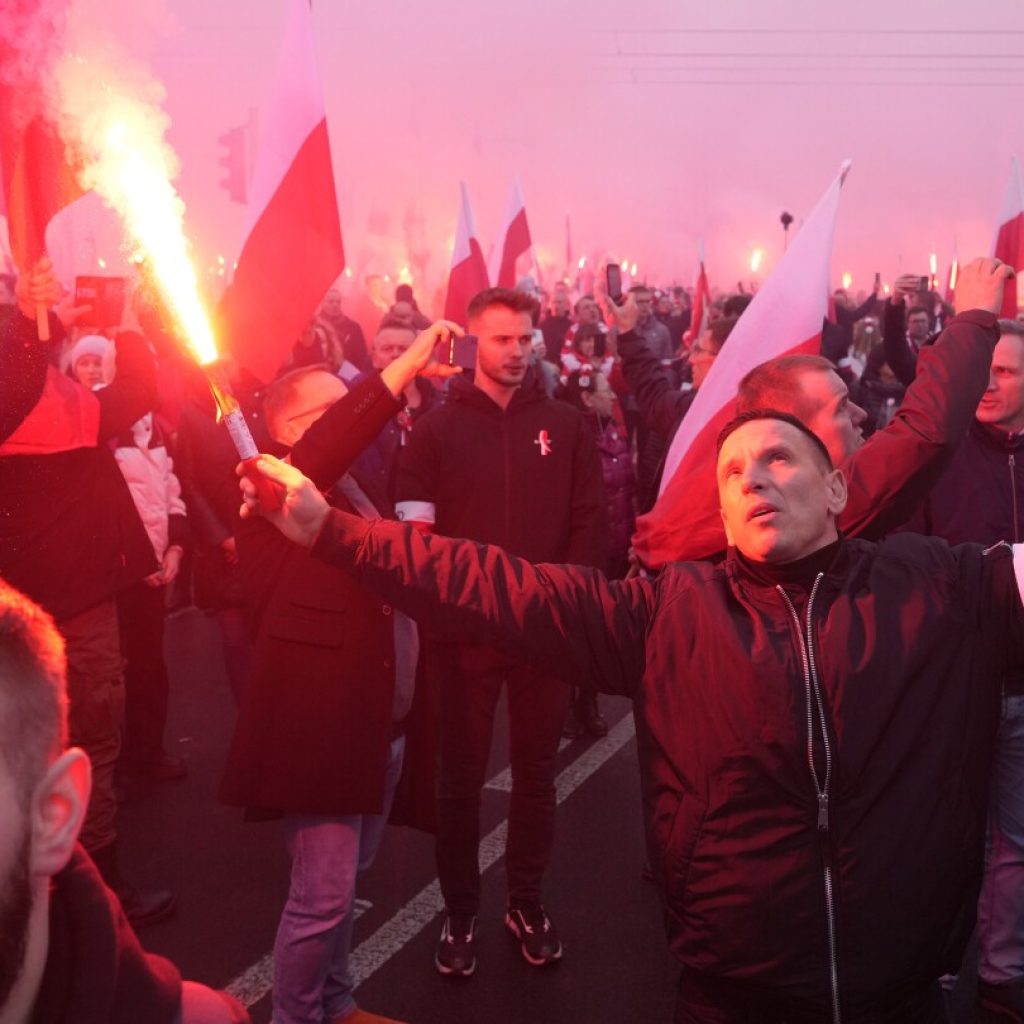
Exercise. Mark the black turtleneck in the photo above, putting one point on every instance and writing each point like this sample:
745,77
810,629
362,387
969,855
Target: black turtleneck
799,574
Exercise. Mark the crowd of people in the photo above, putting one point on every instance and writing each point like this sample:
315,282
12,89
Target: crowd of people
830,707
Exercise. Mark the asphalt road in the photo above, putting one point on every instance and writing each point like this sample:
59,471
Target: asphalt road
230,879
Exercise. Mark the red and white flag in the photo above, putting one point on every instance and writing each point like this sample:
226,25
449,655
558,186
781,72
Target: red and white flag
292,251
784,318
701,304
1009,242
469,272
513,242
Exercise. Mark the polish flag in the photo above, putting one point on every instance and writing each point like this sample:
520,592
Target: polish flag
1009,243
514,241
784,318
38,181
701,304
469,271
292,251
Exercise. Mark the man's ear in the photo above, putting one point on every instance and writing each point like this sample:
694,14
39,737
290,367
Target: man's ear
58,811
728,532
837,493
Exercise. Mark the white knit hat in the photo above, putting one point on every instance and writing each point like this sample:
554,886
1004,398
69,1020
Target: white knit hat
89,345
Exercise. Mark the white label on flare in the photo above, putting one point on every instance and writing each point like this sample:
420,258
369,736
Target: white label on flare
239,431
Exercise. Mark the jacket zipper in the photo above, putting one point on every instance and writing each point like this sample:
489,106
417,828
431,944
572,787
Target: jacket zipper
812,689
1013,495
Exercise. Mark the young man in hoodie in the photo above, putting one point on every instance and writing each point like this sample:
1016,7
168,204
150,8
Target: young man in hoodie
501,463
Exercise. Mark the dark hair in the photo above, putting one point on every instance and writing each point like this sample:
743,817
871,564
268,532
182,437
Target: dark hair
394,322
639,288
403,293
578,382
736,304
581,299
753,415
775,384
919,309
33,691
721,328
583,333
507,298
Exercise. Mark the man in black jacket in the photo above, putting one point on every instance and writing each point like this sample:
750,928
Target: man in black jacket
980,498
71,538
322,732
815,719
501,463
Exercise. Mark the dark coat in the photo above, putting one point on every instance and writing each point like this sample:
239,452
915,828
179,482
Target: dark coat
315,723
527,477
619,491
902,644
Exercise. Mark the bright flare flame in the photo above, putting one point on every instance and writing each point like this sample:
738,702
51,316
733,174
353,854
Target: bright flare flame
755,260
102,262
847,279
133,175
625,264
632,270
933,264
954,273
582,263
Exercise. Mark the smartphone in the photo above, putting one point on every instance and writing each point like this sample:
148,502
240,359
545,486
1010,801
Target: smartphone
462,351
923,284
613,277
105,297
878,281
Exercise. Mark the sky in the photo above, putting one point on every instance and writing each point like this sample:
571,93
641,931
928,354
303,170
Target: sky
652,126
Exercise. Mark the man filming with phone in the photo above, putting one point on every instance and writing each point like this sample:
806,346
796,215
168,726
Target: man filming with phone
500,463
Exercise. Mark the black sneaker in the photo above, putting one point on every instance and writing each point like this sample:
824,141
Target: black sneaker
536,934
456,949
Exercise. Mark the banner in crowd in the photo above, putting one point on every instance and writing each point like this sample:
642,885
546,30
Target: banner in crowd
1009,243
469,271
293,249
785,317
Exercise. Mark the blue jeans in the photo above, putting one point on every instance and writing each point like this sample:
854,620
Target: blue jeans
312,982
1001,906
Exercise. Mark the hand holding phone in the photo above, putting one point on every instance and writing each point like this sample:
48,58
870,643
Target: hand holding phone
613,279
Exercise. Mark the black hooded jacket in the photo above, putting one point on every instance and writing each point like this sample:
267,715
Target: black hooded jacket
527,477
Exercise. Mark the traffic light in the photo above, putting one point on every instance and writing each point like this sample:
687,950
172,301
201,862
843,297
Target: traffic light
235,162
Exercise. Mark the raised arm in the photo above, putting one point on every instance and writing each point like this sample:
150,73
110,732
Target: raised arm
327,449
661,404
893,471
570,619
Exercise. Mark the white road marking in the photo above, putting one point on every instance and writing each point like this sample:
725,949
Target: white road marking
377,949
503,780
255,982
